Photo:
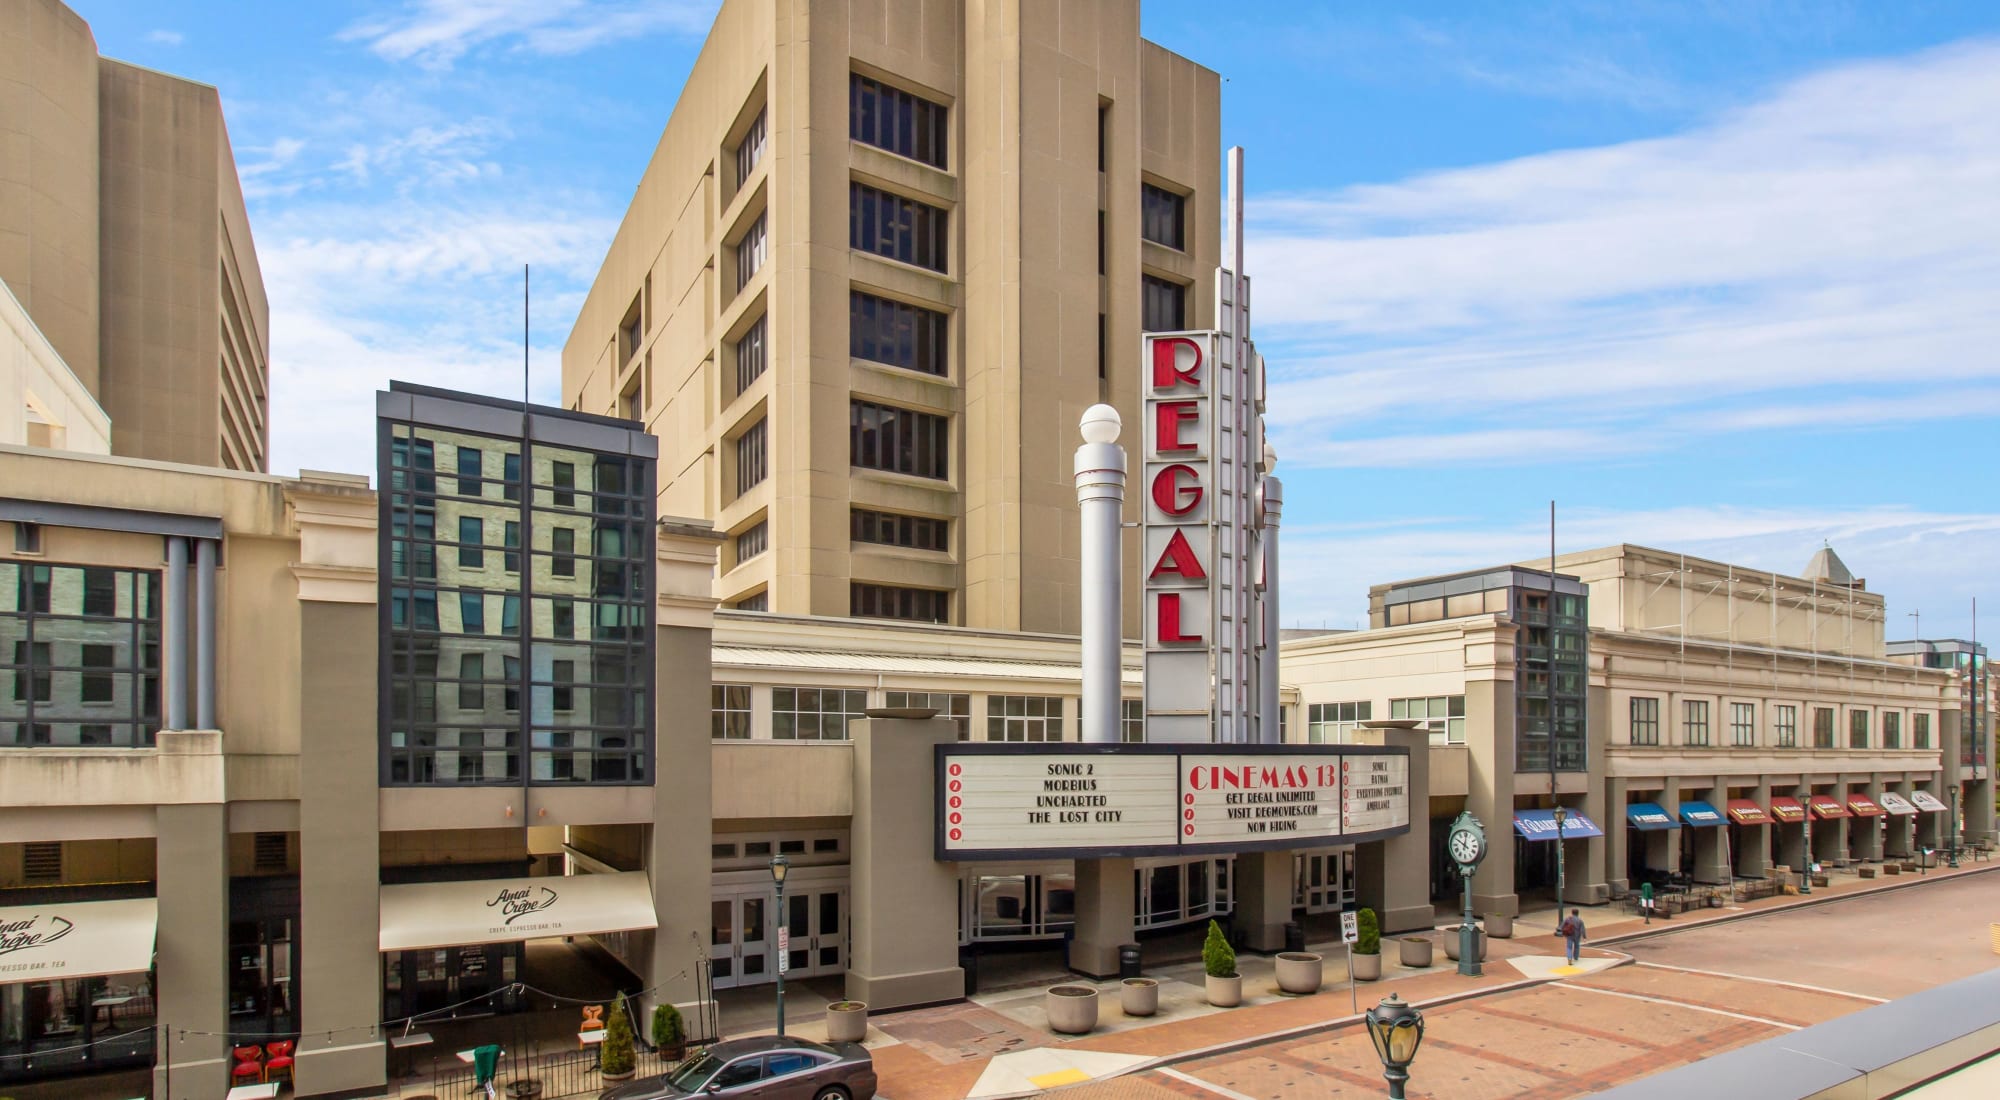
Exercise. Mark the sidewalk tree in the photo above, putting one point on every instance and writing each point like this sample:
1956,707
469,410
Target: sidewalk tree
1367,933
669,1035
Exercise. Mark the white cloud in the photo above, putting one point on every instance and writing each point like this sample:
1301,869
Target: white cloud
165,37
435,33
1845,231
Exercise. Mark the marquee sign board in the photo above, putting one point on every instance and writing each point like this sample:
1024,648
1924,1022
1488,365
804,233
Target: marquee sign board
1015,801
1178,562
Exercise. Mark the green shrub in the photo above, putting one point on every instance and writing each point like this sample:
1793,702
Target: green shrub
1368,933
1217,957
667,1030
615,1055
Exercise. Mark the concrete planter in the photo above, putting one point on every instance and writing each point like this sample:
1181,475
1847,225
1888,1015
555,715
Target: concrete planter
1367,968
1819,880
1500,926
1892,868
1139,996
1416,951
846,1022
1865,872
1299,972
1072,1009
1451,944
1225,992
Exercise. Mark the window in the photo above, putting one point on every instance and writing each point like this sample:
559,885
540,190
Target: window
562,477
750,253
896,333
956,706
472,612
1163,305
635,334
896,228
1785,724
471,534
751,354
510,477
890,529
1442,715
815,714
512,559
1920,731
471,693
84,664
1743,725
753,541
1162,216
562,618
750,150
1857,729
751,467
1645,721
1132,721
1822,727
1892,729
1694,722
893,119
468,472
27,538
759,602
563,541
883,437
100,591
98,683
887,601
1024,718
562,688
1335,723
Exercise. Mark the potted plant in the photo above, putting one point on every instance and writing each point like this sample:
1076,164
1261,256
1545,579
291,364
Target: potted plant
1367,946
846,1022
1416,951
1218,962
669,1032
614,1056
1072,1009
1139,996
1451,943
1299,972
1501,925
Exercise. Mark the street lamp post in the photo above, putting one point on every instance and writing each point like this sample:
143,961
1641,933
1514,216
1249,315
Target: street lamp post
1951,824
779,866
1561,815
1806,859
1396,1030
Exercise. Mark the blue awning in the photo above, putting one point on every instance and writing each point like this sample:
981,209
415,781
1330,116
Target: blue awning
1541,825
1701,814
1649,815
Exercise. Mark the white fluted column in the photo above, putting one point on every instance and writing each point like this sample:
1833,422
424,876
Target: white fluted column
1268,725
1100,499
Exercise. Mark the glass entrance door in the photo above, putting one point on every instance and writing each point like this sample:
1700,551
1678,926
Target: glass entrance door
739,939
816,922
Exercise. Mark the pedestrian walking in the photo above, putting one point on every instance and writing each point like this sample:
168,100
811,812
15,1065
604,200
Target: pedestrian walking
1572,934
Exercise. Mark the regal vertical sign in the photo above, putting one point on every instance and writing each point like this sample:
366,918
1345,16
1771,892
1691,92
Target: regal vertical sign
1178,566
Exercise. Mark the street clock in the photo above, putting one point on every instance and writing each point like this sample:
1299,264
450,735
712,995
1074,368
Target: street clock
1466,843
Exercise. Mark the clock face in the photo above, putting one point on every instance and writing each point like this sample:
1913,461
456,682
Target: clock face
1464,846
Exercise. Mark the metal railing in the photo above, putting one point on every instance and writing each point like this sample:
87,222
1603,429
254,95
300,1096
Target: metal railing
563,1073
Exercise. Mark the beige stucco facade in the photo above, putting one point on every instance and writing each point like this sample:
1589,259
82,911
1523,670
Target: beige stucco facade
46,404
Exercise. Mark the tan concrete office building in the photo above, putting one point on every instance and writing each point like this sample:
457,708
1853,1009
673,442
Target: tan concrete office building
883,258
124,237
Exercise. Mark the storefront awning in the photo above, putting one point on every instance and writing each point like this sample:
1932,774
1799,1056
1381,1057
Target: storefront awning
1896,803
1541,825
1648,815
1701,814
82,939
1745,812
1826,806
446,914
1864,806
1927,802
1787,810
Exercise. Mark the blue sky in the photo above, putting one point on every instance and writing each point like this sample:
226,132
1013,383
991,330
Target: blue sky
1716,276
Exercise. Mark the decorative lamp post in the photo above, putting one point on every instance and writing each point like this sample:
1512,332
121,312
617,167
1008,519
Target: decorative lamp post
1951,824
779,867
1396,1030
1561,815
1806,860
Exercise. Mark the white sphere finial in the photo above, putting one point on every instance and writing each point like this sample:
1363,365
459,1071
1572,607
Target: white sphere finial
1100,424
1270,457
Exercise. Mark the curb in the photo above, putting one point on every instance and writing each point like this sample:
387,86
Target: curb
1793,906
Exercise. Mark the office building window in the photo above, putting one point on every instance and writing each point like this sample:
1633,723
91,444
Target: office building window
1785,726
563,541
469,484
753,541
1335,723
1024,718
759,602
956,706
883,437
1162,217
888,601
729,712
1645,721
750,150
1857,729
471,682
1743,725
27,538
1920,731
897,228
1132,721
893,119
634,334
1823,727
471,534
752,354
750,253
1694,722
1163,305
815,714
890,529
1892,729
512,558
562,482
897,333
751,467
84,664
1442,715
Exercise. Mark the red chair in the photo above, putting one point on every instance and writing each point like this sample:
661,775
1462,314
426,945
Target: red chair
278,1059
249,1063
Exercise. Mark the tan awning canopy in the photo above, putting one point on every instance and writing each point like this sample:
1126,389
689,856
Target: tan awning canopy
445,914
81,939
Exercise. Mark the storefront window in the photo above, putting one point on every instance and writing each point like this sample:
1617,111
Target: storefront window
261,998
1003,905
75,1026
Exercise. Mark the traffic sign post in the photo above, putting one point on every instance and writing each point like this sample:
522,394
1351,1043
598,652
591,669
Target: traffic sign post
1350,933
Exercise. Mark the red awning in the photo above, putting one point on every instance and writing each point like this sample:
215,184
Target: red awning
1745,812
1787,810
1825,806
1864,806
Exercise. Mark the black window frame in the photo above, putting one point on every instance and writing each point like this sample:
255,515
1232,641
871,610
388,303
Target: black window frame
1163,217
879,528
898,334
903,603
1155,315
897,440
897,121
897,227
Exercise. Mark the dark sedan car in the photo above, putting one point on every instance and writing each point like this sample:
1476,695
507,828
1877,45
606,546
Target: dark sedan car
764,1068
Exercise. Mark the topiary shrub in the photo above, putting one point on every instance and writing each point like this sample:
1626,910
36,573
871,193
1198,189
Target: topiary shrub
668,1033
1367,933
1217,957
615,1055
